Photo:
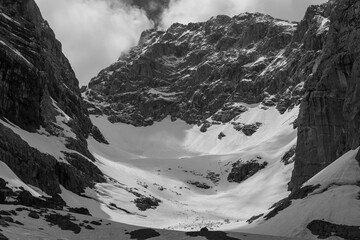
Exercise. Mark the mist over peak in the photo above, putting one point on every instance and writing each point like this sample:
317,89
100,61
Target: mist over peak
94,33
153,8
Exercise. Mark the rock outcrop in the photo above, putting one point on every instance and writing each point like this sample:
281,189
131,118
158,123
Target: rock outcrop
289,156
243,170
324,229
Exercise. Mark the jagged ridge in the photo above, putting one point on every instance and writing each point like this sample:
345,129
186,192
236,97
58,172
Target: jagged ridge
192,71
196,72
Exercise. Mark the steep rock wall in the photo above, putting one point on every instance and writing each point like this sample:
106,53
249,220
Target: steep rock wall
329,120
37,86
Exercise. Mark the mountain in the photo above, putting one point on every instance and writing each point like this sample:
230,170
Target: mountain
40,98
190,72
199,72
242,127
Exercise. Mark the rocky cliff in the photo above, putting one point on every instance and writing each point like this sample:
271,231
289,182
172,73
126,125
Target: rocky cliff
329,114
193,71
196,72
39,94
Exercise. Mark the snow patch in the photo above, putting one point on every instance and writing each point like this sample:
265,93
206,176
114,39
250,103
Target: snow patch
344,171
9,18
13,181
335,201
16,52
324,25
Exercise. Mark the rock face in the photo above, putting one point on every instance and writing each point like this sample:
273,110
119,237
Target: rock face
242,170
37,88
29,50
329,120
203,70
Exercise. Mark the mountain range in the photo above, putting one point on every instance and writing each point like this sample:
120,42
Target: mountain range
243,127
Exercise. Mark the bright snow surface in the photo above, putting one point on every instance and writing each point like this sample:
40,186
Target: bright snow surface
335,201
162,159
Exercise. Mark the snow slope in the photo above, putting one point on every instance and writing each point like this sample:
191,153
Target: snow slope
164,159
335,201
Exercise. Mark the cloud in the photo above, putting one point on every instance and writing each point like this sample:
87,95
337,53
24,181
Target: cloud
153,8
185,11
94,32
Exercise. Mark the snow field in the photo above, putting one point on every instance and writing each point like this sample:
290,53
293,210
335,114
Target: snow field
160,160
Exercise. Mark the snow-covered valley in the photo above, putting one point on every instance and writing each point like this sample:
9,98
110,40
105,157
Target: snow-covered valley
243,127
185,172
184,169
166,159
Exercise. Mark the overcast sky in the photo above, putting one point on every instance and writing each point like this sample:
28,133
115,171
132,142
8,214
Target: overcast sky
95,32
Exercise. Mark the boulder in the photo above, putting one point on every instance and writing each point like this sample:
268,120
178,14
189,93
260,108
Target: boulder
221,135
34,215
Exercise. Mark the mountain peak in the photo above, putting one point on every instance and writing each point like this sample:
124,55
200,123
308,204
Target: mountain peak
188,60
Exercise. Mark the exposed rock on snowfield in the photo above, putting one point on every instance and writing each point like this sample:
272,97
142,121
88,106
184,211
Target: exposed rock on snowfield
242,170
250,129
144,203
289,156
325,230
199,184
